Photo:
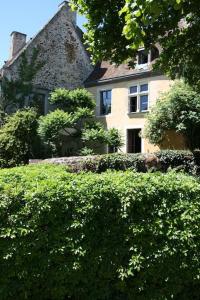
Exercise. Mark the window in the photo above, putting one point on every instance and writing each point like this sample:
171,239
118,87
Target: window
105,102
142,57
145,57
138,98
154,53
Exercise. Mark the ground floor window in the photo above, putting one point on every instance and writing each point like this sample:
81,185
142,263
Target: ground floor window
134,141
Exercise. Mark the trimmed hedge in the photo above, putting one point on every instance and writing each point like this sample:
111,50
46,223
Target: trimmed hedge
118,235
164,161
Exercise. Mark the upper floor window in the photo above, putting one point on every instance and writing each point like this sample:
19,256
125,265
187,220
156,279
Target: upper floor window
139,98
145,57
105,102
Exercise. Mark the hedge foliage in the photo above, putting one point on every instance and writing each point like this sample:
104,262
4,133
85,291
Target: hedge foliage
16,138
166,160
118,235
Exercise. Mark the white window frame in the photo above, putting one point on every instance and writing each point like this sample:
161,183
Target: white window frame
138,94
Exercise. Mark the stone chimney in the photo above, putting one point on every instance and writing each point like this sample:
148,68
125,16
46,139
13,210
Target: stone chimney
70,14
18,41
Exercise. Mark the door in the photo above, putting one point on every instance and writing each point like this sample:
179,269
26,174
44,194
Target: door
134,144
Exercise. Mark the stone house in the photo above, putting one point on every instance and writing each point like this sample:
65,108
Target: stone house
66,63
123,95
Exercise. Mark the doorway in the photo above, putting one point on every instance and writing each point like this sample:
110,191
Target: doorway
134,141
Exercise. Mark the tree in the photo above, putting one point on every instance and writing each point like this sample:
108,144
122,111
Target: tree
144,23
16,137
178,110
55,126
70,100
99,136
74,119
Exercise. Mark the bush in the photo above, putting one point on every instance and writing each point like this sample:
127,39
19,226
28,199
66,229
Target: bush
115,161
16,137
71,100
176,110
183,160
90,236
167,159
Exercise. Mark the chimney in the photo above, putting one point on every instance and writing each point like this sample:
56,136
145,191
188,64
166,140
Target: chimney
18,41
71,15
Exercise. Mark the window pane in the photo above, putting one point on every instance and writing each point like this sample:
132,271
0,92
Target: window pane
133,89
133,104
154,53
144,102
105,102
144,87
142,57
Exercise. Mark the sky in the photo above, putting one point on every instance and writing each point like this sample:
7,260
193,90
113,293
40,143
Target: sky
26,16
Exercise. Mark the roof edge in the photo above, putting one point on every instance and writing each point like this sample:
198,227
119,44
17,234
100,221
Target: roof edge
149,73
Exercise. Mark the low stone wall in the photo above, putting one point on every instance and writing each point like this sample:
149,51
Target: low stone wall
70,161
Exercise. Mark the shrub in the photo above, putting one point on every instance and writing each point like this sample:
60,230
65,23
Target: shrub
114,161
177,110
90,236
183,160
168,159
16,137
51,129
71,100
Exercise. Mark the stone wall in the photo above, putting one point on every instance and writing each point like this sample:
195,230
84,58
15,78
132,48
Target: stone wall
66,62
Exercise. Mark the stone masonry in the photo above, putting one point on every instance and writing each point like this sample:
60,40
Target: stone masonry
66,61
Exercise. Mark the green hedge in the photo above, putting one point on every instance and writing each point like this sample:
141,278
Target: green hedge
117,235
115,161
167,159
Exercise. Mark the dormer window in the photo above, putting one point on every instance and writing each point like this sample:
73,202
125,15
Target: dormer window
145,57
154,53
142,57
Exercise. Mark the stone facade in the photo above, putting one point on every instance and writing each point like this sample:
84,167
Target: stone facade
61,50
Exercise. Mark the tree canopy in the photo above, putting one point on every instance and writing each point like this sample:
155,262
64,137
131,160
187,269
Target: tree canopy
117,28
74,119
178,110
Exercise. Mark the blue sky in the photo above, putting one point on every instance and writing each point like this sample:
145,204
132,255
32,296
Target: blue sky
27,16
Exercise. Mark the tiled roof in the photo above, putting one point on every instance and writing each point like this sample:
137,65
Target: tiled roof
105,72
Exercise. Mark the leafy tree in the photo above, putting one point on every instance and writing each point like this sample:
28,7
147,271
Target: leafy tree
57,124
100,136
70,100
74,118
16,137
144,23
178,110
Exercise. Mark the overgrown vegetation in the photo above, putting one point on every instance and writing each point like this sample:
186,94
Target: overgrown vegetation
163,161
15,92
72,125
16,138
178,110
90,236
174,25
